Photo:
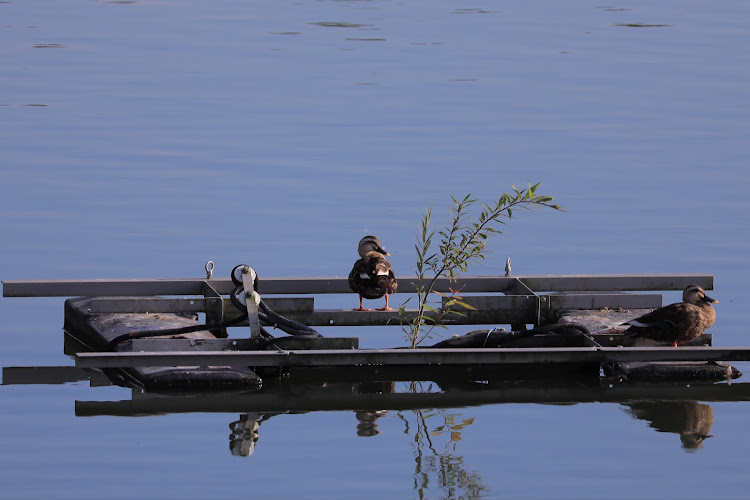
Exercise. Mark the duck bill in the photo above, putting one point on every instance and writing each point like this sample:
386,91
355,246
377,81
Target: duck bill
710,300
380,249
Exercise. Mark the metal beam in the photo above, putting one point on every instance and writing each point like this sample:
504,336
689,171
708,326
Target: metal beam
101,305
135,305
347,317
103,287
213,345
494,309
15,375
604,301
270,401
411,356
325,285
616,282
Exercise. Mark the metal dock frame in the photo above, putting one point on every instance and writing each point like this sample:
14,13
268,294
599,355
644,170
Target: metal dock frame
498,299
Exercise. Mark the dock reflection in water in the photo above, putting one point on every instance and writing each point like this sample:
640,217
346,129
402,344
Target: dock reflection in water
666,407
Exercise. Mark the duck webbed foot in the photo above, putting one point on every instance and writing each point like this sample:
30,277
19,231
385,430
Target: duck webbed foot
361,307
386,308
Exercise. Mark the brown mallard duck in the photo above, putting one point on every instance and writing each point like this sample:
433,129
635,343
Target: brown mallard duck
676,323
372,275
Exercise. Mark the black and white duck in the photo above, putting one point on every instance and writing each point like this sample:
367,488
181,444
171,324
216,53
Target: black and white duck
372,275
676,323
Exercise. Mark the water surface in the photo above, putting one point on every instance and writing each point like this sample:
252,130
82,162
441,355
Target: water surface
140,139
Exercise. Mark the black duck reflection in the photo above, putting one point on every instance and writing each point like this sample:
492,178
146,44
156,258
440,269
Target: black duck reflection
367,425
690,419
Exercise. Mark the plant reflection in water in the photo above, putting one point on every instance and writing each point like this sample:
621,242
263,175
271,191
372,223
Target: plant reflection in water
438,465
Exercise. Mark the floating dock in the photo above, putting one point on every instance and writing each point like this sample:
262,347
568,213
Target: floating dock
105,317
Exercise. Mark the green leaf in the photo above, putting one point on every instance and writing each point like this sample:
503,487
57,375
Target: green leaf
465,305
457,313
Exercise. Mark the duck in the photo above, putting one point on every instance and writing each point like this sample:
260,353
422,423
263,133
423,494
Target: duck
676,323
372,276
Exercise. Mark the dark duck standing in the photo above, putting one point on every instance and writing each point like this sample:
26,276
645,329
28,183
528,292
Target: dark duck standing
676,323
372,275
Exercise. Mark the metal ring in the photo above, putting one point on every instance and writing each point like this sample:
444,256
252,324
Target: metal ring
209,267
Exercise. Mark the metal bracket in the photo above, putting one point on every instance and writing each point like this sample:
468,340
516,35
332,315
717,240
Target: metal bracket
252,299
519,288
214,310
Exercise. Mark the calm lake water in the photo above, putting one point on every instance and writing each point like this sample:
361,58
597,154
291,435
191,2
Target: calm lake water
138,139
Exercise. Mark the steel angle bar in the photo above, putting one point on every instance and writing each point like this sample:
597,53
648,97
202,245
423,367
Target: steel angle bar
333,357
527,303
234,344
102,288
347,317
324,285
616,282
412,356
518,287
269,401
688,353
16,375
283,305
604,301
177,344
497,309
100,305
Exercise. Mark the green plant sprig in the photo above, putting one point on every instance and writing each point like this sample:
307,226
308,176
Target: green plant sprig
462,241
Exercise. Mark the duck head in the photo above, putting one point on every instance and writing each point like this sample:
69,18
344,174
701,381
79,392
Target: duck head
694,294
370,244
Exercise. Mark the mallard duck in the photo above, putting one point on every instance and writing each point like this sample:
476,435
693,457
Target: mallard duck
676,323
372,275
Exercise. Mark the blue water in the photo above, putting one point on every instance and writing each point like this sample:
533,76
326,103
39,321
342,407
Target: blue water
140,139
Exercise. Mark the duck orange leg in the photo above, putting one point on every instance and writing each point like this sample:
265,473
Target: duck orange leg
361,307
386,308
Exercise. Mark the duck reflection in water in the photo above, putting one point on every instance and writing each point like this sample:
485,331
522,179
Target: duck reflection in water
367,425
368,422
690,419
